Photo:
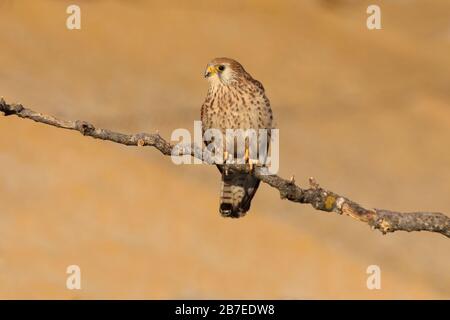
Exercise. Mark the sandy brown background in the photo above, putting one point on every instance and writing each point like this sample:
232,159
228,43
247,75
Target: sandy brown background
365,112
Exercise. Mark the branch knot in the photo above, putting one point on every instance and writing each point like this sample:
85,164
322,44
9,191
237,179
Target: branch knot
84,127
10,109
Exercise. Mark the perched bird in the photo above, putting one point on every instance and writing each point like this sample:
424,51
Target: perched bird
234,101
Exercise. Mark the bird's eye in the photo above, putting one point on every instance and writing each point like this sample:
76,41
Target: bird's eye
221,68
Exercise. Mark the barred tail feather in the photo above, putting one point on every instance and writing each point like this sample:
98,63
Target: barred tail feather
236,194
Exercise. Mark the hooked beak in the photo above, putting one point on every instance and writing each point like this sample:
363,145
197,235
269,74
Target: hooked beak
210,71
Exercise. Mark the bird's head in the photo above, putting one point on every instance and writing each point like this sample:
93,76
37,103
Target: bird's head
223,71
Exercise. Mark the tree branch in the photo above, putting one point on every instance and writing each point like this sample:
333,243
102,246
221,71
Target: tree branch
321,199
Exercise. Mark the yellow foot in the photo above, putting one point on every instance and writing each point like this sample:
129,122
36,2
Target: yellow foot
251,162
225,156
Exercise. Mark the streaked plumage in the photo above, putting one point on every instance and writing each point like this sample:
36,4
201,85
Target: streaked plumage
234,101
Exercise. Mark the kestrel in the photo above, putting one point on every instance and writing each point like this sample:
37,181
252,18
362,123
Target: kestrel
234,101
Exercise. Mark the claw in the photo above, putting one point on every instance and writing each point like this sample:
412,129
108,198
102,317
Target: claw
251,162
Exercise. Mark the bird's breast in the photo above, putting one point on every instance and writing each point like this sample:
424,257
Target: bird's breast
234,108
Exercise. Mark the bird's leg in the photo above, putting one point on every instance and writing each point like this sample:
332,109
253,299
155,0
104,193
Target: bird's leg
225,160
248,160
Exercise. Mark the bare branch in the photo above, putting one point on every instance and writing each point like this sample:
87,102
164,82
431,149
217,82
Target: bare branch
321,199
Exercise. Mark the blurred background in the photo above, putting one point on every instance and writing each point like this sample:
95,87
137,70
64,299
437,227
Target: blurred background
367,113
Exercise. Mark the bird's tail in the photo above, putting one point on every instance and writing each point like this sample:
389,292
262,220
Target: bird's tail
236,194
